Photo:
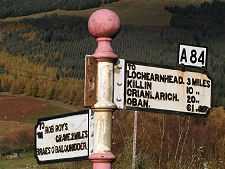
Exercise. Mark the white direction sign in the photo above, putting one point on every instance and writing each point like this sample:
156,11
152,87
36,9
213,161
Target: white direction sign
64,138
147,88
192,55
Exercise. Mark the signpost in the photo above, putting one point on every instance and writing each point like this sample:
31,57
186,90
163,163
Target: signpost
142,87
112,83
65,137
104,25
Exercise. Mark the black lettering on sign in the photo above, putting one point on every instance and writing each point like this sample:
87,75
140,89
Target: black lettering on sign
189,90
191,99
71,136
43,151
188,81
201,57
175,80
201,82
166,96
134,76
170,80
61,127
170,96
129,83
190,107
181,80
85,134
139,84
69,147
49,129
134,102
142,93
66,137
52,150
131,66
77,135
183,56
40,135
193,57
156,77
42,125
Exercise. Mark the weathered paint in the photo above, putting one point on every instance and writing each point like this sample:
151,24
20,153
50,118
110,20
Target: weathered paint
119,79
105,86
162,95
103,108
103,24
90,81
103,130
64,137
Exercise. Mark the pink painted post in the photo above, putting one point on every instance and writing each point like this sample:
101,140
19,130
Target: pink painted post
104,25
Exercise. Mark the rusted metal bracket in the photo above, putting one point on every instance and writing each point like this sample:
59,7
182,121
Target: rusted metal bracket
90,81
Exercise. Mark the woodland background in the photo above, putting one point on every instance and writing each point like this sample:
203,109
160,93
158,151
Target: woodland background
44,58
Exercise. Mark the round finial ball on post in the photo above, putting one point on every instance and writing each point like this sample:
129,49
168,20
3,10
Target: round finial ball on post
104,23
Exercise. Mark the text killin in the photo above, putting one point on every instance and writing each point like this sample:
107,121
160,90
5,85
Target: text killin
166,89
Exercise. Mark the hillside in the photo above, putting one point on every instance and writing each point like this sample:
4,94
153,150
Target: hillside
141,12
169,141
18,116
50,53
19,113
27,109
42,67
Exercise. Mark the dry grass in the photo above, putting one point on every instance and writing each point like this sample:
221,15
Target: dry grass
1,36
137,12
15,27
10,128
29,36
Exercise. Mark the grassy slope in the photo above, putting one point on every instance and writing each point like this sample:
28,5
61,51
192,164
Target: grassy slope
26,111
18,113
8,128
27,160
137,12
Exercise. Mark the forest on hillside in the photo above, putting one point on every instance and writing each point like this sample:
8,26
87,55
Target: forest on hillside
201,18
58,44
14,8
44,57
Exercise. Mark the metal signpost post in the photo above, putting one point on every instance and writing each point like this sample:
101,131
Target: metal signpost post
64,138
103,24
69,137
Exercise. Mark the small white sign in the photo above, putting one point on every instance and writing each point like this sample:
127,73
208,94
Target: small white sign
64,138
160,89
192,55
